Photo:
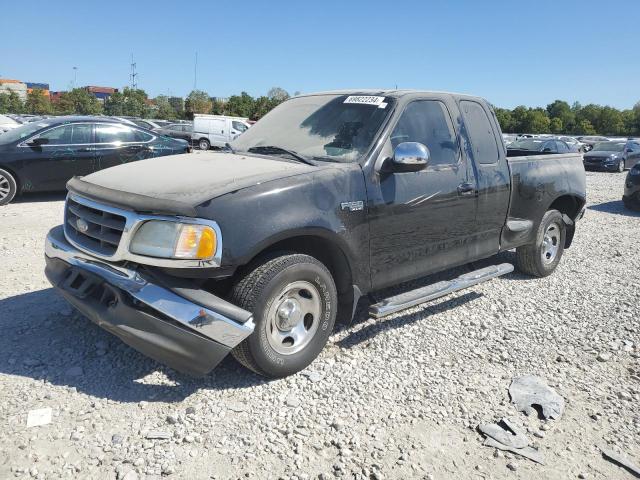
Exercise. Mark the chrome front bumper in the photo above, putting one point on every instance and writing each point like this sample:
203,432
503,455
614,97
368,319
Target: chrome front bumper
149,317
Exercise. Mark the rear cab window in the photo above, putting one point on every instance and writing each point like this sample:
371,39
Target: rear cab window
480,131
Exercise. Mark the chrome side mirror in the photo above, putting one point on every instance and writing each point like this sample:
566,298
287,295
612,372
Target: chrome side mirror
410,157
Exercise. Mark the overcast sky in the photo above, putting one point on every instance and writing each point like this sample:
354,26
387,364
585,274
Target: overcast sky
586,51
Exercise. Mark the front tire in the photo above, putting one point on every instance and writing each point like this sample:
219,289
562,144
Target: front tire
204,144
8,187
621,166
541,258
294,303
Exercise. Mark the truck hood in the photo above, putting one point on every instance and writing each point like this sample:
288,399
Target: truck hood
176,184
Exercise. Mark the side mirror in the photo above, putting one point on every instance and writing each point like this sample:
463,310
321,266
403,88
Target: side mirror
410,157
36,142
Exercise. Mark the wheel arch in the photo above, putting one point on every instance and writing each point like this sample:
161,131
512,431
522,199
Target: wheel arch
326,248
569,206
15,176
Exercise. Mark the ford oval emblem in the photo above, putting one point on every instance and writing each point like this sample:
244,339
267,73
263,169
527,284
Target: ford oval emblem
82,225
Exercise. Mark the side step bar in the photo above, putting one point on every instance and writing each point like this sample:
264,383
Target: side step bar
431,292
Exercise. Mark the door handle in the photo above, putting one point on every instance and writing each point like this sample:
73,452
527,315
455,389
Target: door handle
467,189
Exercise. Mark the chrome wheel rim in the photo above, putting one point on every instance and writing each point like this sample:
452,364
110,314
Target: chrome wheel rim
293,318
5,187
550,243
204,145
621,166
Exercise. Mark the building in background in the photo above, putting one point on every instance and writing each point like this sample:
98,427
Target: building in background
20,88
222,100
101,93
40,86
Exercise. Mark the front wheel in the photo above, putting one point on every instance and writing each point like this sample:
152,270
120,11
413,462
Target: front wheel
8,187
204,144
541,258
294,303
621,166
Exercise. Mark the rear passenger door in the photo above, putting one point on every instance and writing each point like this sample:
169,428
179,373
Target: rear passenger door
117,144
486,153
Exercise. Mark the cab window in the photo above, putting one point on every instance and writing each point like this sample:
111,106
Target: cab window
428,122
483,141
58,136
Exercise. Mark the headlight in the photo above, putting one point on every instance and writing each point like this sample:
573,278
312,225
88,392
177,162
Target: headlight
164,239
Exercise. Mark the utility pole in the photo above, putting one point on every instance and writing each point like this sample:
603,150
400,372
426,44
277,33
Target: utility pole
75,77
133,75
195,73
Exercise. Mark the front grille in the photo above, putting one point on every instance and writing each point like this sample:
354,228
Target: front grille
595,159
102,232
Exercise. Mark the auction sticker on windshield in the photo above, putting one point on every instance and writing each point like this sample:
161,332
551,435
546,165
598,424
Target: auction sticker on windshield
366,100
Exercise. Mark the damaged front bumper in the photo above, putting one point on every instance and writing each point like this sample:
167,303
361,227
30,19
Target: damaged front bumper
152,318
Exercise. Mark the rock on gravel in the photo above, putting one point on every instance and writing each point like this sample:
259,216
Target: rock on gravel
394,398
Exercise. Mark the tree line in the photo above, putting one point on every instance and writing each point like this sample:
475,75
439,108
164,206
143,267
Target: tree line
136,103
558,117
561,118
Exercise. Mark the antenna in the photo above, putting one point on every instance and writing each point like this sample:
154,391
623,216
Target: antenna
195,73
133,75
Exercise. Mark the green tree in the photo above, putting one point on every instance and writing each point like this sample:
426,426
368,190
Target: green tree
538,121
164,108
610,122
177,103
198,102
240,105
38,102
11,103
78,101
584,127
505,119
278,94
129,102
261,106
561,110
556,125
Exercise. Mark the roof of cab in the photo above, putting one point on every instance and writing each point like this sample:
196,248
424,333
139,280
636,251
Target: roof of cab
394,93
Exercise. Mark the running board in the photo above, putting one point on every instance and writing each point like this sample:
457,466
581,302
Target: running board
437,290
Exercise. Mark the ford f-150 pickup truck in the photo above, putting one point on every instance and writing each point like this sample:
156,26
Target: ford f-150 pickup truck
259,249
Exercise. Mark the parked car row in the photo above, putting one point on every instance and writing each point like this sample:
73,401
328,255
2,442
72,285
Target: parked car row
43,155
613,156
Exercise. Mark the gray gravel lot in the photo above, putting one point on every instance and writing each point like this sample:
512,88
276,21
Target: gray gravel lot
394,398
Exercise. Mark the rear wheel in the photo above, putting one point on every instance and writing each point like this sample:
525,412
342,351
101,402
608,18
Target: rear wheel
541,258
204,144
8,187
294,301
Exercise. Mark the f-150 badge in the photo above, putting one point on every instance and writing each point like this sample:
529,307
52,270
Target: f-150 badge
352,206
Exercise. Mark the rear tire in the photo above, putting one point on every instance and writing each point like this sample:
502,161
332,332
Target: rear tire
8,187
294,303
541,258
204,144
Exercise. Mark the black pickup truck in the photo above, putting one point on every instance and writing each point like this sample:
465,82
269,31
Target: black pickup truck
259,249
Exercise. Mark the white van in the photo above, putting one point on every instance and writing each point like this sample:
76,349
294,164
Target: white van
216,130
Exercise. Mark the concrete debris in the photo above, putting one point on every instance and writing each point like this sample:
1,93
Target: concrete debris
621,460
529,391
157,435
517,439
40,416
510,439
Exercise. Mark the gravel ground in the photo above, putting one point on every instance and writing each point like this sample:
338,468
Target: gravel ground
396,398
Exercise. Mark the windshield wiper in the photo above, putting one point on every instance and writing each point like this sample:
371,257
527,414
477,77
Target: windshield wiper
272,149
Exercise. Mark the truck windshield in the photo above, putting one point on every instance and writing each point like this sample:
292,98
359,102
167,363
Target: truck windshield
323,127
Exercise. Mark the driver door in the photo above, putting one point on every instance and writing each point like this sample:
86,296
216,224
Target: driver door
68,152
420,222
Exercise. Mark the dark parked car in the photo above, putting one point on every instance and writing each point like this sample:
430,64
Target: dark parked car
44,155
177,130
259,249
631,197
539,146
613,156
